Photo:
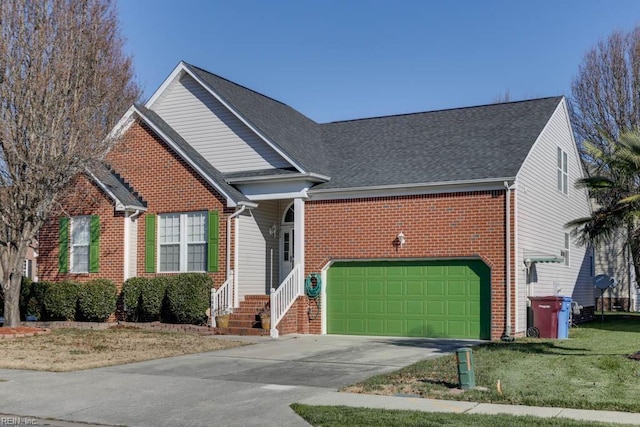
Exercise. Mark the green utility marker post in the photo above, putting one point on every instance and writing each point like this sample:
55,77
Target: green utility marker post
466,368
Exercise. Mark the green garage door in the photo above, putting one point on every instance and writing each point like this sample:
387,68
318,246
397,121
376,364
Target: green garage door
439,299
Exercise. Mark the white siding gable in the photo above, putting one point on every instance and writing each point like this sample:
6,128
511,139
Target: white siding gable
541,213
218,135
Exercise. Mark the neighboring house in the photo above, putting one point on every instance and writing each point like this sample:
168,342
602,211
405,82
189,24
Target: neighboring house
30,266
417,224
613,259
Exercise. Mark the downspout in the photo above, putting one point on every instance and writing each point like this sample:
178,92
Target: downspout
232,216
506,336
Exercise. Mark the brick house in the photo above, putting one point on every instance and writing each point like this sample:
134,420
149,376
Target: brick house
435,224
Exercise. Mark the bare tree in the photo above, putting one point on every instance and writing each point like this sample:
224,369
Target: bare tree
64,82
605,95
503,97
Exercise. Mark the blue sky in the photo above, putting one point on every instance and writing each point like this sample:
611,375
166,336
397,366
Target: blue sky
336,60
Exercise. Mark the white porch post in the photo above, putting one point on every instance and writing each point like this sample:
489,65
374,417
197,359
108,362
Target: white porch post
236,262
298,245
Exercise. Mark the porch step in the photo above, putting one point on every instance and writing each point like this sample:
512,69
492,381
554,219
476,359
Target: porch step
241,331
245,320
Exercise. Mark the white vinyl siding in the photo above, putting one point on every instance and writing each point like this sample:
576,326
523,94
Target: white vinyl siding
214,131
542,213
131,247
258,249
80,238
182,241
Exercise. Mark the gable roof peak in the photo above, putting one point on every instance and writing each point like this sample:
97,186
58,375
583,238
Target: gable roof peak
234,83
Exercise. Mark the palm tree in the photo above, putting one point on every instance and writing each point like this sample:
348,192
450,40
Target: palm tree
614,184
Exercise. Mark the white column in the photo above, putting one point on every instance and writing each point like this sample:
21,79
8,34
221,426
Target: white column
298,252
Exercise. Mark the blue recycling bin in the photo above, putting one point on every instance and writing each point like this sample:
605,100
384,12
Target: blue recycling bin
563,318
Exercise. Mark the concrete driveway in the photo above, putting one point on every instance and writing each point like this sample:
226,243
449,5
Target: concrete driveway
251,385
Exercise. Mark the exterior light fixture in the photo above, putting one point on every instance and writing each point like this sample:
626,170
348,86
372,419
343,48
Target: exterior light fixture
401,239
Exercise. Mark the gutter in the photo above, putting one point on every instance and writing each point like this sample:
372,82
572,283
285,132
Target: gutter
242,208
314,177
414,185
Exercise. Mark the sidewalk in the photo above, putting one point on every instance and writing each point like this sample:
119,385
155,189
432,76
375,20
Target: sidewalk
433,405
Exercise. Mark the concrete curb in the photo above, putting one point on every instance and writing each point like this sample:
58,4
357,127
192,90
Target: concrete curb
454,406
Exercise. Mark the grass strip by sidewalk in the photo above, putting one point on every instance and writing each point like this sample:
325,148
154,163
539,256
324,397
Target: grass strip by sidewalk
75,349
588,371
346,416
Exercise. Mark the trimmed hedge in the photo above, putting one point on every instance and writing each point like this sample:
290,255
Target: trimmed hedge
61,300
188,297
144,298
32,298
131,291
153,296
97,300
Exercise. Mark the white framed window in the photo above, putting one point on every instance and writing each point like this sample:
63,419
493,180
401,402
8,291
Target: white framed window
182,241
80,240
563,174
567,242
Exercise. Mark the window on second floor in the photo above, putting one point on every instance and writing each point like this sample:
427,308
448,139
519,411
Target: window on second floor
563,175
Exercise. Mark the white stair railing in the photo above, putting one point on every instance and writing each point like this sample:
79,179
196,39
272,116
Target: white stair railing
222,299
283,298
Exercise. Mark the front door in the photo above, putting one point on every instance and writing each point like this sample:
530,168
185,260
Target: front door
286,250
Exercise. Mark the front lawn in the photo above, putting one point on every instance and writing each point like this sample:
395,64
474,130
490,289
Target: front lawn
340,416
75,349
588,371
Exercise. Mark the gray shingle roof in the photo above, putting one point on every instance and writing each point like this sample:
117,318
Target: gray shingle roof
117,188
295,134
472,143
464,144
214,174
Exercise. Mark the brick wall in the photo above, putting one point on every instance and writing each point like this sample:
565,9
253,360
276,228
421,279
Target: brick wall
88,199
470,224
163,180
168,185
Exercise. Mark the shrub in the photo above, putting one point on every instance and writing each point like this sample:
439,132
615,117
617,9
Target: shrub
152,297
188,297
144,297
32,298
131,291
61,300
97,300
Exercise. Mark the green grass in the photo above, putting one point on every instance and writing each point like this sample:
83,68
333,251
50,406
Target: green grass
588,371
345,416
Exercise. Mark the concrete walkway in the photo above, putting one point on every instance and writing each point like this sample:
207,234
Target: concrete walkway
452,406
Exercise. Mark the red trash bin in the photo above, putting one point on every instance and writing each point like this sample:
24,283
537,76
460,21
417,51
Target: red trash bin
545,315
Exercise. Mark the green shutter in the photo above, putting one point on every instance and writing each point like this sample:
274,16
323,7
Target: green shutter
63,246
212,242
150,244
94,245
